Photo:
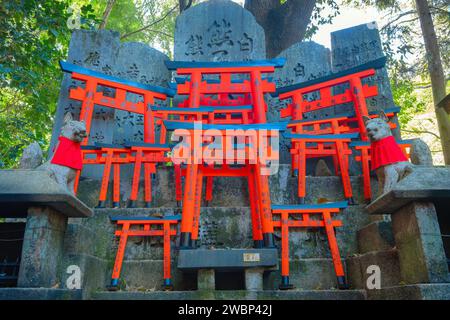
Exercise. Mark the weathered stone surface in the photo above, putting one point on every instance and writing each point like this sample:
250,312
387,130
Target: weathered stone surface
304,61
230,191
42,248
419,243
376,236
218,30
21,189
322,169
355,46
148,275
423,184
387,260
141,63
94,50
432,291
39,294
95,272
206,279
235,295
254,279
225,227
306,274
420,153
31,157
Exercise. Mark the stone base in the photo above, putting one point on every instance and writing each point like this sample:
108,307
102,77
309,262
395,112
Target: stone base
39,294
234,295
387,260
375,236
429,291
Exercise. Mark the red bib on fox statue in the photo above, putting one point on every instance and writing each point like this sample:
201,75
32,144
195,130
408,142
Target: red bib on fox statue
68,153
385,151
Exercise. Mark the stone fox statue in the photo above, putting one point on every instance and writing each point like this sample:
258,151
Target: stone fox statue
67,158
388,160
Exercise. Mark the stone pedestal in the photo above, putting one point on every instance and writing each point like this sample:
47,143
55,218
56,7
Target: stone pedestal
415,224
206,279
419,243
42,248
47,206
254,279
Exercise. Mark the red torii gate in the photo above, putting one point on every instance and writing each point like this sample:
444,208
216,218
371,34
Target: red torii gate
259,192
147,153
356,93
199,90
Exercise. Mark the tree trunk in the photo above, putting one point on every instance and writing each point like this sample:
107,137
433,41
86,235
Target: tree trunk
184,4
106,13
283,24
436,74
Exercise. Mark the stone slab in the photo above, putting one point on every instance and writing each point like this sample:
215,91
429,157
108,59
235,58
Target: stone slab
218,30
375,236
435,291
223,259
234,295
358,265
355,46
423,184
305,61
306,274
21,189
39,294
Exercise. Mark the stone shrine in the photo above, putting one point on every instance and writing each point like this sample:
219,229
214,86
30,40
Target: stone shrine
407,248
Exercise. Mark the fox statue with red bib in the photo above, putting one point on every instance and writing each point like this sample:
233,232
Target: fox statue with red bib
67,158
387,158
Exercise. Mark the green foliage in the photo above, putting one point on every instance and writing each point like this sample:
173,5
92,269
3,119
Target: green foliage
33,37
402,35
318,18
405,96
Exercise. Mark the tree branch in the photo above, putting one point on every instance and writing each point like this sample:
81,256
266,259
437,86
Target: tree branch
151,24
106,14
401,15
162,32
421,131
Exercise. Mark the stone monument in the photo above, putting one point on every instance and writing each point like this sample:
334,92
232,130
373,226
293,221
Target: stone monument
218,30
358,45
305,61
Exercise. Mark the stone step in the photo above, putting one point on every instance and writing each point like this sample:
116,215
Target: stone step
39,294
421,291
220,227
376,236
387,261
91,244
136,275
233,295
230,191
